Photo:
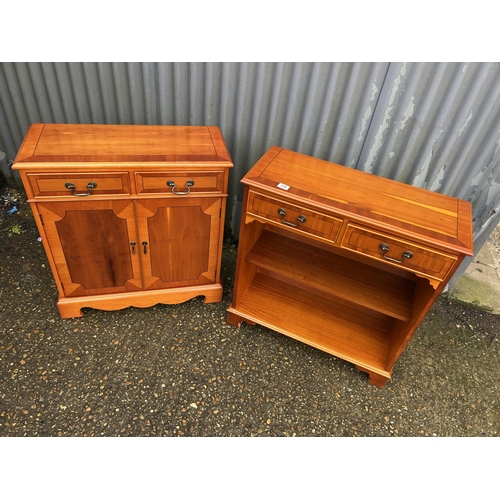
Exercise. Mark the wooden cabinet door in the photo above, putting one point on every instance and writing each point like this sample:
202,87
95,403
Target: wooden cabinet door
90,243
179,241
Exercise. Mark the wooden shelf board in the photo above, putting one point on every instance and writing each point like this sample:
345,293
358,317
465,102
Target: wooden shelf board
359,337
326,273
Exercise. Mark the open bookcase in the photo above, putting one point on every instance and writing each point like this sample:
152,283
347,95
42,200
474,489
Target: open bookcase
328,256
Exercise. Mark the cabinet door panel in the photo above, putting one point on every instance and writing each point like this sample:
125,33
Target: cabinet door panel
90,244
182,239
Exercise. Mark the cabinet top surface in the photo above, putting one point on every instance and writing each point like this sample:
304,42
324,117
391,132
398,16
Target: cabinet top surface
73,143
367,198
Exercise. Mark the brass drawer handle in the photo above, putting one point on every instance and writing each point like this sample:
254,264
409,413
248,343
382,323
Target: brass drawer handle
188,185
300,218
90,186
385,248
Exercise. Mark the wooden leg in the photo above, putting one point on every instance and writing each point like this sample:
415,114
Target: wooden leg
236,320
213,296
69,310
375,378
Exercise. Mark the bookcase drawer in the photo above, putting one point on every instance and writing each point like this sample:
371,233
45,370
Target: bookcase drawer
293,217
398,252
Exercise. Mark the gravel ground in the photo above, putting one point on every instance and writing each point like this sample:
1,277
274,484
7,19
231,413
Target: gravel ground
182,371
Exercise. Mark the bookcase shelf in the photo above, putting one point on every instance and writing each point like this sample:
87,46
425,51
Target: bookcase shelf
328,274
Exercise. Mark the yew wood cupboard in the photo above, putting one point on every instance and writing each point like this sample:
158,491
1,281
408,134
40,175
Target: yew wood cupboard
129,215
345,261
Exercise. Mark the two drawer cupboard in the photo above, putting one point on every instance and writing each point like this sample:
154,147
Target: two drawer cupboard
129,215
345,261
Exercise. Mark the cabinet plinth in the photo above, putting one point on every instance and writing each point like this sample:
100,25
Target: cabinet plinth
342,260
129,215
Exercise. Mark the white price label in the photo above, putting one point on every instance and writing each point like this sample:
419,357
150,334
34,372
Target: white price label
283,186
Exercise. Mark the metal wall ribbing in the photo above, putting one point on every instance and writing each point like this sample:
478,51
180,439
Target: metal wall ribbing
434,125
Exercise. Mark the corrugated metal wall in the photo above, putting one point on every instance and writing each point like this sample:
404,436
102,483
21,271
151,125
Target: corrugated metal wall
434,125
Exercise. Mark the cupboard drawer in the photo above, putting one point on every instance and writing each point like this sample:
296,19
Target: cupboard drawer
293,217
179,182
398,252
80,184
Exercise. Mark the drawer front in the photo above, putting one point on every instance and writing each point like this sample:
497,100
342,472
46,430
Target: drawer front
179,183
401,253
81,184
293,217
